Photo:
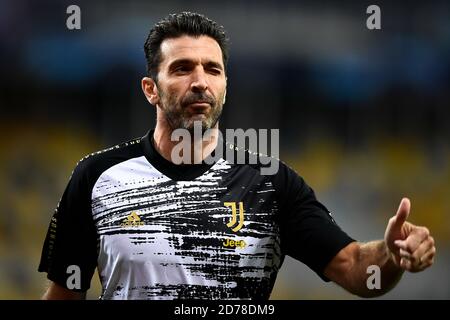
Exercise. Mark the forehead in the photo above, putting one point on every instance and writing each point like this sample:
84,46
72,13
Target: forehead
193,48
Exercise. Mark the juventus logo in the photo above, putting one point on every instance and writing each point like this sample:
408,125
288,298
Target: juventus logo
233,220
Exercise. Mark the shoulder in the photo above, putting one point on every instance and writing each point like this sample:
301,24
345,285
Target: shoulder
91,166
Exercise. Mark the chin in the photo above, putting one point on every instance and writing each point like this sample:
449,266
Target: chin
190,125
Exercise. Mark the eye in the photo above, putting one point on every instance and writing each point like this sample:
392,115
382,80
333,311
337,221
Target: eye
214,71
181,69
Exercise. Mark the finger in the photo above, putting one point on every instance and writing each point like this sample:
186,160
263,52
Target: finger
414,239
409,245
401,244
428,258
416,263
405,254
424,247
402,212
405,264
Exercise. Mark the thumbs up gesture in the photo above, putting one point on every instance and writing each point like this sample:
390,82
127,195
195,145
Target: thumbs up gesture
411,247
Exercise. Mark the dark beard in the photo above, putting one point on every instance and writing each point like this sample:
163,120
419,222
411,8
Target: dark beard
176,117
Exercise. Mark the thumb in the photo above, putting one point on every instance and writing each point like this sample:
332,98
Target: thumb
402,212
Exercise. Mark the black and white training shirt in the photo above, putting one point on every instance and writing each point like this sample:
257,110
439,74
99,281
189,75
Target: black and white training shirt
156,230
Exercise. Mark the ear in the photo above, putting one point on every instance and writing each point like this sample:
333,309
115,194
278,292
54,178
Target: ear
150,90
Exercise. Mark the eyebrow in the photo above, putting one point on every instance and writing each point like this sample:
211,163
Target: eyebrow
209,63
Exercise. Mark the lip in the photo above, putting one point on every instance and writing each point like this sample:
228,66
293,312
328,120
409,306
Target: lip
199,105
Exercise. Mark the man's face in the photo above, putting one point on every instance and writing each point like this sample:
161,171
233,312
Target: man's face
191,81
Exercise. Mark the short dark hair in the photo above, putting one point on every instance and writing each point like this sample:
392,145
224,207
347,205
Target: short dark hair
177,25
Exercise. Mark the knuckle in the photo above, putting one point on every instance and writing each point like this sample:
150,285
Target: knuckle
432,241
411,245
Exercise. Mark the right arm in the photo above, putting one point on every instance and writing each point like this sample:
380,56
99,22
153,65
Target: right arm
57,292
71,240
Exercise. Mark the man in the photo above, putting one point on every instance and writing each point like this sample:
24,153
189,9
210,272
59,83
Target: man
157,230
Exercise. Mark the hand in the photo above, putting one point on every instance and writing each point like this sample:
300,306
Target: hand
411,247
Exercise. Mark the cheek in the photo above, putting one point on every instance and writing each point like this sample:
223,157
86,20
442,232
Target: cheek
220,94
167,95
219,86
175,92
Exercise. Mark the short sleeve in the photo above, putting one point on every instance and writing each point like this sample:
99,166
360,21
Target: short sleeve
70,247
308,231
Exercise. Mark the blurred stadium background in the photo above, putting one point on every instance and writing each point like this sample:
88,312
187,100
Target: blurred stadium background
363,115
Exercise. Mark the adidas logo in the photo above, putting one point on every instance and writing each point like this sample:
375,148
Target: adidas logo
132,220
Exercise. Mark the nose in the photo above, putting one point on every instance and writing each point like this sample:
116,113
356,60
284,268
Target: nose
199,82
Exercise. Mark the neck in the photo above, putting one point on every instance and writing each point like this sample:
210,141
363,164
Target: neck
198,149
